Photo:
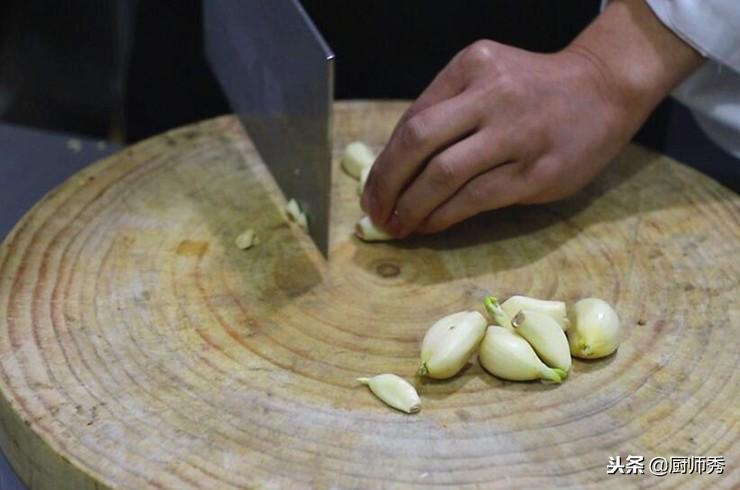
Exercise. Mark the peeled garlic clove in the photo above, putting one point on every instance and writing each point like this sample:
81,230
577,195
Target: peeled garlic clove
449,343
545,335
555,309
394,391
508,356
594,329
498,314
357,155
363,178
368,232
294,213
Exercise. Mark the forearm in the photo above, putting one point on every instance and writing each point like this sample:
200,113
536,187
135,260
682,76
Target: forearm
639,60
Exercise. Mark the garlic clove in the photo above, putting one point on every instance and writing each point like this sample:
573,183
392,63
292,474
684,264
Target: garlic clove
394,391
555,309
438,330
498,314
363,179
368,232
450,342
595,329
546,336
357,155
507,355
294,213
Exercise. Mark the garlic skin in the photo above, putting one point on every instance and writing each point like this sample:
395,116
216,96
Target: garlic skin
507,355
555,309
357,155
366,231
546,337
594,330
449,343
294,213
394,391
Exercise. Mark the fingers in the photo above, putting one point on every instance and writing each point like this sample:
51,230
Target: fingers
408,150
503,186
444,175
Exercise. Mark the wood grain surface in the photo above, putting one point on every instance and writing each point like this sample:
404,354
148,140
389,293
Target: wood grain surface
140,348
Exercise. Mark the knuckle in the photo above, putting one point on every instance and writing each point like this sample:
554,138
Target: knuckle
442,173
413,133
479,53
476,194
507,87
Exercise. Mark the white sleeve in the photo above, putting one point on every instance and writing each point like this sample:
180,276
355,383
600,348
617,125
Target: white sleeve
712,27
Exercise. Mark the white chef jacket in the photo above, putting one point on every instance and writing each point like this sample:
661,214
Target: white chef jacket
712,27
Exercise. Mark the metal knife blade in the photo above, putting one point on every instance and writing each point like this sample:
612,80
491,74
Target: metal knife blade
278,75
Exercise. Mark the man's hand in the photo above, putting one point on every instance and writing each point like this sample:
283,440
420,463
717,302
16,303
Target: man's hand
501,126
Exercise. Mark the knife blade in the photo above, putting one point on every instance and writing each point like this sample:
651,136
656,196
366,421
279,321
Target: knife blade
278,75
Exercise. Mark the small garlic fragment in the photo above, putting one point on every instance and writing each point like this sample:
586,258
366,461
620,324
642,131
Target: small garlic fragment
357,155
295,214
394,391
555,309
449,343
545,335
246,239
594,329
368,232
508,356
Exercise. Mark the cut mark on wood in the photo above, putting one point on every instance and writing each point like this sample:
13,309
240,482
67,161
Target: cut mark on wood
192,248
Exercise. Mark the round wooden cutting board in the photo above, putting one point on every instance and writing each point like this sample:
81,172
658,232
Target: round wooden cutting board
140,348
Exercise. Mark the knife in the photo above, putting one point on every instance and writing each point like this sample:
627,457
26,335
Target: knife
278,75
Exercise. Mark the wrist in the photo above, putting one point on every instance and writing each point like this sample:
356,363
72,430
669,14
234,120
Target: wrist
634,58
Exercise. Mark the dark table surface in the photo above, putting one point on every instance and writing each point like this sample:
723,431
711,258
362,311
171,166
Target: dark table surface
32,162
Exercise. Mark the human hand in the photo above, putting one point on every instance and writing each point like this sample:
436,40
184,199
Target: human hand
501,126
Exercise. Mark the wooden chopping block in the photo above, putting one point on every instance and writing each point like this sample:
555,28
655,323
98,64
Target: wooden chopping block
140,348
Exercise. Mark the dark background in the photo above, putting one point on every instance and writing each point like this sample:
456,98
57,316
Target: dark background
125,70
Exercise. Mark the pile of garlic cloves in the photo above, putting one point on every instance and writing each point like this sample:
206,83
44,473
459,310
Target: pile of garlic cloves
530,339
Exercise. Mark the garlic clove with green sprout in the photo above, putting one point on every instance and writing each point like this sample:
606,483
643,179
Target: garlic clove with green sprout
394,391
498,314
546,336
555,309
449,343
594,329
507,355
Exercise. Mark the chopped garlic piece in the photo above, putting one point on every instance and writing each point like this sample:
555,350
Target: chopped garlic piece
246,239
295,214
